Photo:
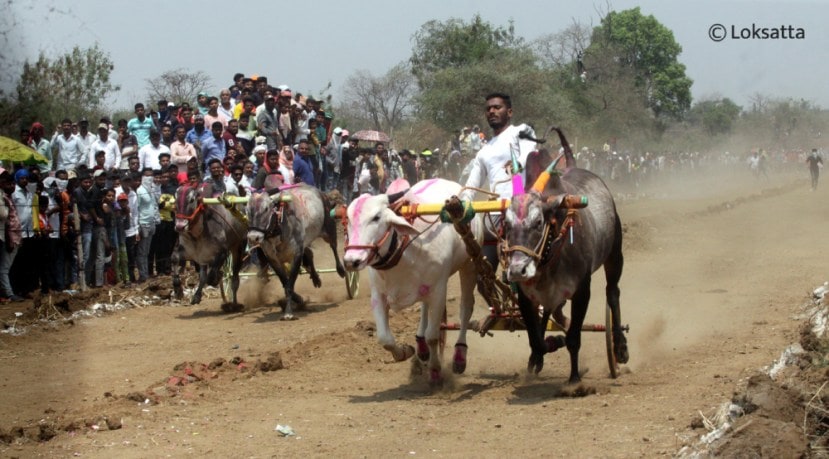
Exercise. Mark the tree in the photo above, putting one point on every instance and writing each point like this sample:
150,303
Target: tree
455,97
715,116
645,45
454,43
177,86
383,102
458,63
562,49
74,85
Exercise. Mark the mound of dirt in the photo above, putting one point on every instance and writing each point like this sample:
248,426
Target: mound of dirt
60,308
781,412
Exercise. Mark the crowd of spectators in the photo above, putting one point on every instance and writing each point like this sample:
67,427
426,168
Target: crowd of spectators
101,208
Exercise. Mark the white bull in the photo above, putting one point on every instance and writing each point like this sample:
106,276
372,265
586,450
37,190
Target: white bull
434,253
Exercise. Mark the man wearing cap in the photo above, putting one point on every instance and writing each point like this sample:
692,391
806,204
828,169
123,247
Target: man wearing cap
148,154
67,149
141,126
112,154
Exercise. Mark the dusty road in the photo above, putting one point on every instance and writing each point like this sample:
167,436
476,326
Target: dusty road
715,269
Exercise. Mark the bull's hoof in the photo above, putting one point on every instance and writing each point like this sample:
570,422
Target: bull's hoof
422,348
340,270
536,363
315,279
435,378
459,359
196,299
288,317
401,352
554,343
232,307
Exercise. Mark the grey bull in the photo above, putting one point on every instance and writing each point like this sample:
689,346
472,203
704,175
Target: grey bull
553,249
283,224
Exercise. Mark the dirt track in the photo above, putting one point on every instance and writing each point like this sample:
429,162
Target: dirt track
715,269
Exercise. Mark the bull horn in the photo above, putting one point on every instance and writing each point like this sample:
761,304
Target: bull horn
396,196
544,177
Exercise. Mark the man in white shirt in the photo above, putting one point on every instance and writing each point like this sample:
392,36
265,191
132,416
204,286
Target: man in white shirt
493,162
112,153
87,138
67,150
148,154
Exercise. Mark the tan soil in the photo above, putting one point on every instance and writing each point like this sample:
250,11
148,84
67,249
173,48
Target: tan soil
716,268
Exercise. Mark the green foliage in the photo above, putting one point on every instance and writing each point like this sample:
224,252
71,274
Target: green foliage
715,116
645,45
454,43
73,86
455,97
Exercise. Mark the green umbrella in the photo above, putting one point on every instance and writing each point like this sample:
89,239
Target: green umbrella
13,151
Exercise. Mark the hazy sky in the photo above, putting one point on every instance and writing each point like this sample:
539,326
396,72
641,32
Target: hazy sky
307,44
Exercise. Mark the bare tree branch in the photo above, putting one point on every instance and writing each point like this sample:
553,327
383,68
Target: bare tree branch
177,86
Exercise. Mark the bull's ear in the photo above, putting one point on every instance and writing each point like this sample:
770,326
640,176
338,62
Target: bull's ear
400,224
535,164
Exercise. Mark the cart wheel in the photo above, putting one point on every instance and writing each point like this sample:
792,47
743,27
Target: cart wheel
226,285
608,333
352,283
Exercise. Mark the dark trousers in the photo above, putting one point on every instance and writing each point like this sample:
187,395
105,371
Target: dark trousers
24,273
131,257
164,240
57,249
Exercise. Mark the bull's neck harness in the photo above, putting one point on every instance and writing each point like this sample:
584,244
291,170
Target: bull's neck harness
548,248
397,244
274,222
395,251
